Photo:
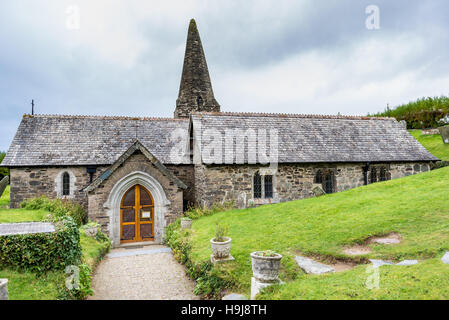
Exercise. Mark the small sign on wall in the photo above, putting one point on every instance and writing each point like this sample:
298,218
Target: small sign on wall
146,214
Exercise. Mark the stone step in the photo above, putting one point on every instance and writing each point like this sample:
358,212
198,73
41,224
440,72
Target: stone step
312,267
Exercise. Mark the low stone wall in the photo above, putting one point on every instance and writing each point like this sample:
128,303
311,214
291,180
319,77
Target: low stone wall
222,183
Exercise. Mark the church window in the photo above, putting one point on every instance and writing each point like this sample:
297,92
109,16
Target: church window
329,182
65,184
199,101
257,186
373,175
319,177
383,175
268,180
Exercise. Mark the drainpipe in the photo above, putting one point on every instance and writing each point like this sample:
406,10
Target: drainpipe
365,173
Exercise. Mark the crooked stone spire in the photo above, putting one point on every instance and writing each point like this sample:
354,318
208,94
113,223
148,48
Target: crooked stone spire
195,91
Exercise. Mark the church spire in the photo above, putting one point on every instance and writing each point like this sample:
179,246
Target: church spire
195,91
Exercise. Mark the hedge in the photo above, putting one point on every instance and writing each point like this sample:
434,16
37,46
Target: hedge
42,252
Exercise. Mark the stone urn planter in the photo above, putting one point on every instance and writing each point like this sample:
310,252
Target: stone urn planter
186,223
266,266
221,250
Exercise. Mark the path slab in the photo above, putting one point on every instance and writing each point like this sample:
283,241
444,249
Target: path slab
379,263
312,267
9,229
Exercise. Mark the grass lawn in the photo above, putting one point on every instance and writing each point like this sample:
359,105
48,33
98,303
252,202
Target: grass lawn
4,199
433,143
21,215
417,207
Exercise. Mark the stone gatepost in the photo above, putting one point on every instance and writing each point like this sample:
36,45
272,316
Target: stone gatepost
4,289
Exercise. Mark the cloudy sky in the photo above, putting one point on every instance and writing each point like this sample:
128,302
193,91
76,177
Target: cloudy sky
110,57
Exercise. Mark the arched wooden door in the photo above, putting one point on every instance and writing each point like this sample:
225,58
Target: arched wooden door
137,215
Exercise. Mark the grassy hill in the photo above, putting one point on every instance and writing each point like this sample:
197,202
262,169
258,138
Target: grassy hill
433,143
416,207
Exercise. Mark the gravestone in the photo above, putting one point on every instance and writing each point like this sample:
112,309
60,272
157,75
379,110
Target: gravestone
403,123
444,132
10,229
3,289
318,191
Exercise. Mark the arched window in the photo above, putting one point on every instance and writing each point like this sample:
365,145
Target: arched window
373,175
257,186
383,175
199,101
319,177
65,184
329,182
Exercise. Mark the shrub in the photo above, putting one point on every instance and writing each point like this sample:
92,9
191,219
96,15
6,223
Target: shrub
77,290
59,208
42,252
220,233
201,211
209,281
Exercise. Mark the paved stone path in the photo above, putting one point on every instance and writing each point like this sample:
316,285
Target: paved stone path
7,229
149,273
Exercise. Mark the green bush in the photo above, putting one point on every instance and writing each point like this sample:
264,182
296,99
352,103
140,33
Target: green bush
42,252
209,281
59,208
201,211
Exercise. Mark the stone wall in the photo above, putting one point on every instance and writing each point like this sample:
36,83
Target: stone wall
137,162
187,175
222,183
31,182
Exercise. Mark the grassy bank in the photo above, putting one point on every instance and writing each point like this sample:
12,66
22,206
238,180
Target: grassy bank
4,199
433,143
415,206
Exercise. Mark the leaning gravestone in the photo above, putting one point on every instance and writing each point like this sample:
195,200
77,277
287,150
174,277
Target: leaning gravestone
444,132
3,184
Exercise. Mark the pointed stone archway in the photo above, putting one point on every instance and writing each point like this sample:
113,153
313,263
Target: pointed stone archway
112,204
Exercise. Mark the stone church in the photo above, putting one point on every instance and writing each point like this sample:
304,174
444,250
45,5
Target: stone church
136,175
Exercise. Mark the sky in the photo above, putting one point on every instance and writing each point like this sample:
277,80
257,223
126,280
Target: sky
111,57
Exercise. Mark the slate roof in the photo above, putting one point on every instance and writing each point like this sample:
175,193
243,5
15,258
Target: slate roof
312,138
136,146
45,140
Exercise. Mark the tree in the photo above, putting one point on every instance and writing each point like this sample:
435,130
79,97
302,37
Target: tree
3,171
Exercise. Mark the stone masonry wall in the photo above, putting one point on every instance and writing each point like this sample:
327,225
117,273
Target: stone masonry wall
31,182
222,183
136,162
186,174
